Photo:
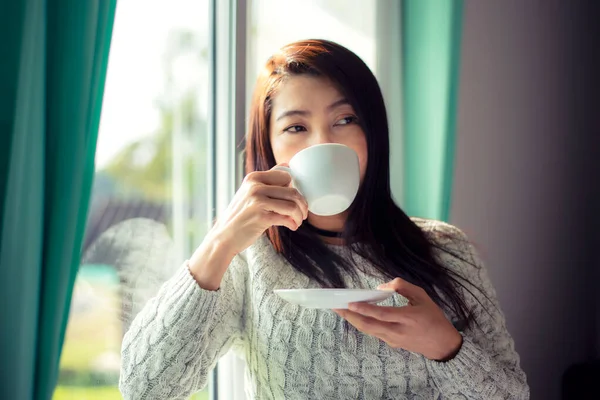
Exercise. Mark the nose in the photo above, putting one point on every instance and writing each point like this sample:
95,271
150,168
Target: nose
322,136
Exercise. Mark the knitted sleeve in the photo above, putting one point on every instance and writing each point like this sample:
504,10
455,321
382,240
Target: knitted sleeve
487,365
178,337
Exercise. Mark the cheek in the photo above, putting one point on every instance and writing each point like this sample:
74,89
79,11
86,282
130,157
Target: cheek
283,151
363,158
362,162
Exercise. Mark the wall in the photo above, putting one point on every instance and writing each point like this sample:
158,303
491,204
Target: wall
523,178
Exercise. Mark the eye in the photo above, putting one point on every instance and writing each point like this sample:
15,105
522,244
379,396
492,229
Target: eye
352,119
295,129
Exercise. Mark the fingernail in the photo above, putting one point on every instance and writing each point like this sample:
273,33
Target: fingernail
352,306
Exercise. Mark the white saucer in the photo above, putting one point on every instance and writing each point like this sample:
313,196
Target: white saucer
332,298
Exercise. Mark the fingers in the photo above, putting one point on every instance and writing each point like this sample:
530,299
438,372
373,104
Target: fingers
286,193
273,185
274,219
284,208
388,314
371,326
272,177
413,293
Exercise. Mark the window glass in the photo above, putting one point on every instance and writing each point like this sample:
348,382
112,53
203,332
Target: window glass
273,24
149,204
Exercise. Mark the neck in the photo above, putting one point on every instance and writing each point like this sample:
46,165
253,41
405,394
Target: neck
334,223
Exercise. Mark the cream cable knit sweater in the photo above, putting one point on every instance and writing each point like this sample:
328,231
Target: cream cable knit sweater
297,353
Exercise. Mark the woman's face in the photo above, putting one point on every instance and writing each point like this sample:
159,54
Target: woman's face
309,110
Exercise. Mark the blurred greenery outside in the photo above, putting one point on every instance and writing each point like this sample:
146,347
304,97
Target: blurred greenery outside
89,366
101,393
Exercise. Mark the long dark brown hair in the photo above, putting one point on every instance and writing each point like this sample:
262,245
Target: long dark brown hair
376,227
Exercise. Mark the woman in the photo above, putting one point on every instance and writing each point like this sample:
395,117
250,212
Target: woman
448,341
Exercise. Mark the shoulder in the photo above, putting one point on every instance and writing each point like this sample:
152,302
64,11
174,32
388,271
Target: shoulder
440,232
260,251
246,263
451,244
260,255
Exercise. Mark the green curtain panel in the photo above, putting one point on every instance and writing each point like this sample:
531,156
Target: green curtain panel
431,35
54,57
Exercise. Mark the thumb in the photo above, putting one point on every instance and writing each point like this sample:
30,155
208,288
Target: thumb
413,293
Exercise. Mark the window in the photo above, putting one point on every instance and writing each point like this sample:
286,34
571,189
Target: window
168,158
273,24
150,204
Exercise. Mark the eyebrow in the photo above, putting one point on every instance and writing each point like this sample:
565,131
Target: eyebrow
330,107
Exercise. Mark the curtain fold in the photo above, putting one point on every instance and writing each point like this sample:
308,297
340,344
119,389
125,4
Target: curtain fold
431,36
51,82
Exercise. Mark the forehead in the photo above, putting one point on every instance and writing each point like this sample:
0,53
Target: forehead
305,91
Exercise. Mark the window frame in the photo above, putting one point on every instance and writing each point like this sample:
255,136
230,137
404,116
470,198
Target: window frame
226,126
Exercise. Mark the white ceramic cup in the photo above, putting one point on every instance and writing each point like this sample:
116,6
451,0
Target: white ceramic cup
327,175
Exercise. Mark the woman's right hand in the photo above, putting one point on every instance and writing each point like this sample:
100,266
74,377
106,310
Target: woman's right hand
264,199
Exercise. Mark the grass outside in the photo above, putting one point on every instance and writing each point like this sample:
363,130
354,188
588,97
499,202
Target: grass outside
101,393
93,342
86,393
93,333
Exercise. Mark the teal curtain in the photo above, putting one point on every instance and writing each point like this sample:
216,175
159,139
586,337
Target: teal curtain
54,57
431,35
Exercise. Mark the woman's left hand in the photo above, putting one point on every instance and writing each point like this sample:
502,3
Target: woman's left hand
420,327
